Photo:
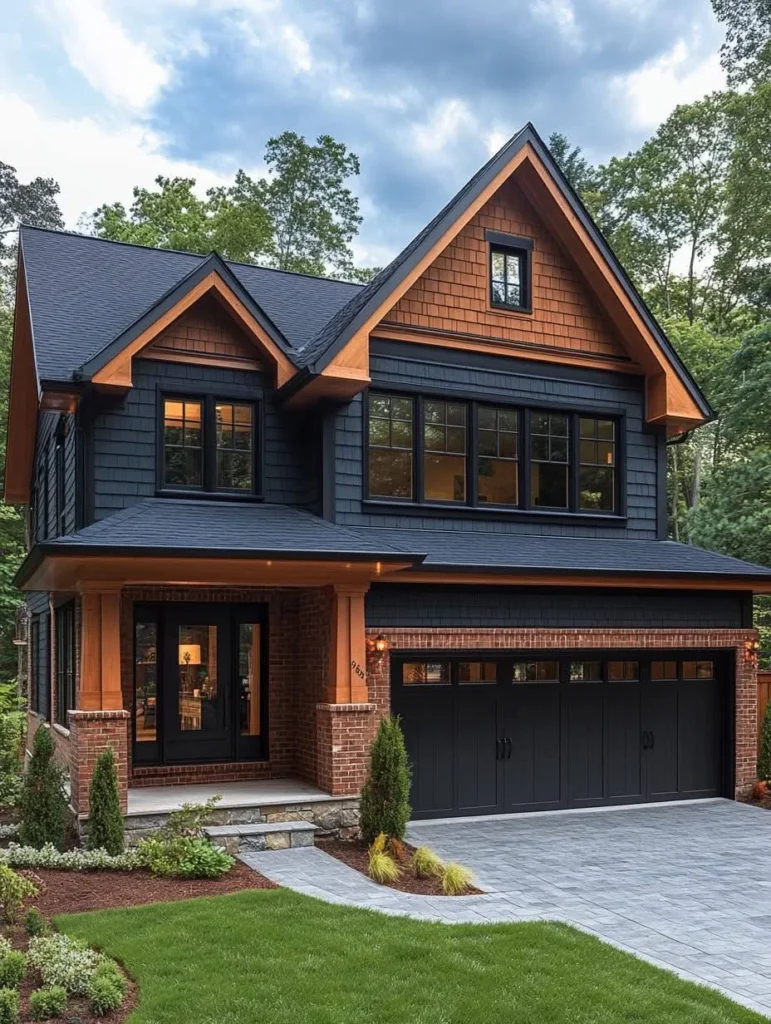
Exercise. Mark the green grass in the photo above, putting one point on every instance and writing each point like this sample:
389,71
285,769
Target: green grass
281,958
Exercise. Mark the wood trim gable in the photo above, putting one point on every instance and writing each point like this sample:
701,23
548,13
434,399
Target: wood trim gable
118,371
668,401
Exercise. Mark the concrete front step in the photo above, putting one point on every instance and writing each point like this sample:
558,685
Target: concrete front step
270,835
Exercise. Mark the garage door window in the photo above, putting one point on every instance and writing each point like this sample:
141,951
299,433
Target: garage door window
697,670
662,670
419,672
623,671
586,672
536,672
476,672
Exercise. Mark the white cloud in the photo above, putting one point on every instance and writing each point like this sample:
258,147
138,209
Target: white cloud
652,92
122,69
93,163
443,127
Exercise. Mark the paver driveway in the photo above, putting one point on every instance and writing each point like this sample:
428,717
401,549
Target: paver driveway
686,886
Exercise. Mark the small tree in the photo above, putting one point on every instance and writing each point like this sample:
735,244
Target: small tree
105,824
43,803
764,758
385,798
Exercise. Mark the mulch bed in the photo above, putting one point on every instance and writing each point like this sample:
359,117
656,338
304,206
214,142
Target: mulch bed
69,892
354,853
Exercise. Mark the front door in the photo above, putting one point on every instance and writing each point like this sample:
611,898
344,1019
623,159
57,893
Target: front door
200,683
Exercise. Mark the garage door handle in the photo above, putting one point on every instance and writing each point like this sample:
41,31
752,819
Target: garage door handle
509,745
498,750
653,740
646,740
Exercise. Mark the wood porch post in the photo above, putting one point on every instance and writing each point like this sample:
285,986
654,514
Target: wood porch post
100,684
348,652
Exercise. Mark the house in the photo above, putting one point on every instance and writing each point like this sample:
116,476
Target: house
266,507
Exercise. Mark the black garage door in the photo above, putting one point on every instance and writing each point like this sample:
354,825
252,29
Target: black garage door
524,733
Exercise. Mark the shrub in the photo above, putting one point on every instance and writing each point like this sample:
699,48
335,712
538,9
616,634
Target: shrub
105,823
385,797
9,1006
14,890
13,967
104,996
382,867
184,857
108,970
764,757
43,803
11,738
71,860
191,819
9,831
47,1003
34,922
456,879
63,961
426,863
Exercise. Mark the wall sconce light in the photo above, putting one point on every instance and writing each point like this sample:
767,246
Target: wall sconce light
379,645
751,648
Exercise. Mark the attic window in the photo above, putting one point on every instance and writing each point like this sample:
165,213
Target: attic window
510,271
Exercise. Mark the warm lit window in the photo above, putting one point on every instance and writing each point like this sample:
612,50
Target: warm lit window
535,672
234,446
444,446
509,278
183,443
585,671
390,446
415,673
498,448
597,464
664,670
698,670
623,671
550,459
208,445
470,672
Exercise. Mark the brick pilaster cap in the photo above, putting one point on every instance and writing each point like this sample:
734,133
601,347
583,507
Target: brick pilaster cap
341,709
98,716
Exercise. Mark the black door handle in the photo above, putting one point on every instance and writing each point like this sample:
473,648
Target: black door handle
510,745
645,740
498,749
653,740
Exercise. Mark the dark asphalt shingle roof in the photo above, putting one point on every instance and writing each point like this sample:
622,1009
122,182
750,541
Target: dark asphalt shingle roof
460,549
84,292
187,526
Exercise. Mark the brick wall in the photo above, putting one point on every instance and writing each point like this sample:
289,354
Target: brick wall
734,640
453,294
91,733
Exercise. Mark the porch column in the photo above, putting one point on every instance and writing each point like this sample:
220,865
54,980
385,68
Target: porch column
100,720
347,682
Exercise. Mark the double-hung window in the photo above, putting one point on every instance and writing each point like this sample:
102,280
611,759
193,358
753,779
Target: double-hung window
64,626
435,451
208,444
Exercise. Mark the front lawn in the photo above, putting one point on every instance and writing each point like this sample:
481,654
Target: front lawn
279,957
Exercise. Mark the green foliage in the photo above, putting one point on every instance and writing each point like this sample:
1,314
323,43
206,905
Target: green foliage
734,515
426,863
191,819
48,856
746,52
13,967
107,970
48,1003
382,867
104,997
11,739
9,1006
34,922
184,857
385,797
764,757
105,823
63,961
584,178
14,891
43,802
456,879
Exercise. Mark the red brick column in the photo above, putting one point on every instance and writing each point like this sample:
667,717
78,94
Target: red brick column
738,641
344,733
91,733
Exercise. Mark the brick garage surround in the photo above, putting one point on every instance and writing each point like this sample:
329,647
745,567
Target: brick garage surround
91,733
736,640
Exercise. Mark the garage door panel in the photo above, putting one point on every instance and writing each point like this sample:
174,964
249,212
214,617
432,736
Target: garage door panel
532,772
699,735
663,756
476,732
584,744
427,725
623,746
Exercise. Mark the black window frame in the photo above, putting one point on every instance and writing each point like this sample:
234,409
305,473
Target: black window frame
60,469
524,412
208,401
64,644
522,248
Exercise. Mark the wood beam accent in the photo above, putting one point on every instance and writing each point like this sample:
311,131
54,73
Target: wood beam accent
347,681
59,401
117,372
100,688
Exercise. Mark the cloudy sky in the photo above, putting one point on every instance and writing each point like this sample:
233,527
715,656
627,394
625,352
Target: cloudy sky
106,94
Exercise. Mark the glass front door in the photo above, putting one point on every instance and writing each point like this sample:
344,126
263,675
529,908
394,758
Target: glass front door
199,692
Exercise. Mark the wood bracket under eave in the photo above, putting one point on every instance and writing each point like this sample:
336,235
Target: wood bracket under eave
59,401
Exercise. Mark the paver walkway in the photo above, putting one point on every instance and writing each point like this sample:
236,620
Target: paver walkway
685,886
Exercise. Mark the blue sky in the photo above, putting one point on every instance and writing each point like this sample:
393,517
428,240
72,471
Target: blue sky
105,94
